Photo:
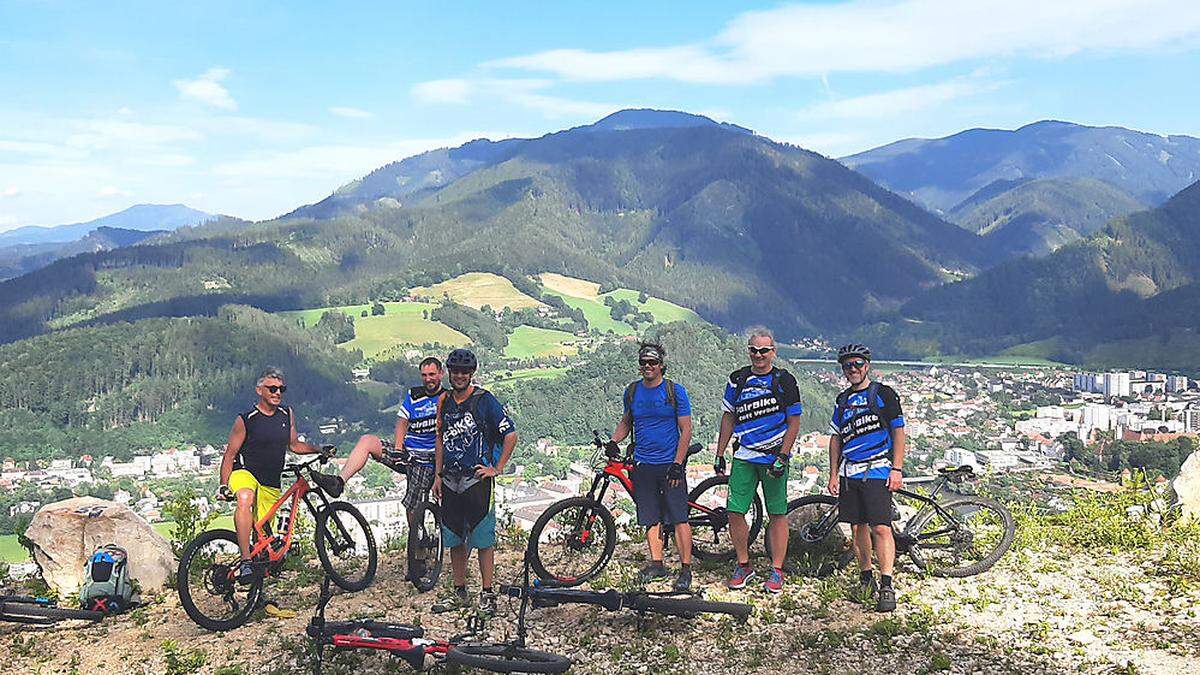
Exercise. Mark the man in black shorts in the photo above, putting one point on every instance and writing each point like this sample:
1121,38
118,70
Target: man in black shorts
866,456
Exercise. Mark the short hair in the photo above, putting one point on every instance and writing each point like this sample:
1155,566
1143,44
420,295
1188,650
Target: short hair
431,361
270,372
759,331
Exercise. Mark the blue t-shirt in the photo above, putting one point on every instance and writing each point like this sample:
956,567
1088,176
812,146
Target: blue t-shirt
655,422
420,409
470,438
866,436
761,411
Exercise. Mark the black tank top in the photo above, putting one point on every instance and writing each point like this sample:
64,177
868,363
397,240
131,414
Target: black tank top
266,444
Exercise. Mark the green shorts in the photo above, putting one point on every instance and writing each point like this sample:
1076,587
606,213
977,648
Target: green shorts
744,478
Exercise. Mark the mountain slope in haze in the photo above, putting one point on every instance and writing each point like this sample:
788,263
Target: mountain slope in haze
1131,279
733,225
940,173
21,259
143,217
1036,217
396,183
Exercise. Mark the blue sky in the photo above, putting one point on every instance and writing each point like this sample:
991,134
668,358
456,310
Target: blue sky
252,109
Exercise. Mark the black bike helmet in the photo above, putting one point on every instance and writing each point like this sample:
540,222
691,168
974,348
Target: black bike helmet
851,351
462,358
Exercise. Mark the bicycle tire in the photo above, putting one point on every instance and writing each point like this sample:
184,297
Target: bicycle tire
707,542
184,582
559,575
25,612
686,607
805,554
507,658
420,539
326,535
999,549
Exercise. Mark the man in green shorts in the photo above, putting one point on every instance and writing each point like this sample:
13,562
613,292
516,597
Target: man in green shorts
762,412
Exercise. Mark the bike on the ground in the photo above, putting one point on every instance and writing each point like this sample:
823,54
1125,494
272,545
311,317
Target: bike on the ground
574,539
687,605
423,548
955,536
41,611
209,589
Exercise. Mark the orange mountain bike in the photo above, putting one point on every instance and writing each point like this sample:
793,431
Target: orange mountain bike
207,580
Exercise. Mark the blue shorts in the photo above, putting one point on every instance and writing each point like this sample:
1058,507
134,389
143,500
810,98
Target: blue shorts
656,501
469,517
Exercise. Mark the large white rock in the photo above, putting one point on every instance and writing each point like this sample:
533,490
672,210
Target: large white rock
1187,487
65,533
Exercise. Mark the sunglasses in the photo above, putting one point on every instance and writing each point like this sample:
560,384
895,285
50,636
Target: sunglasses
761,351
854,365
649,362
276,388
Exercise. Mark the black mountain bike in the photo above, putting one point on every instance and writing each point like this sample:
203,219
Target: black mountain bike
688,605
40,611
424,547
957,536
575,538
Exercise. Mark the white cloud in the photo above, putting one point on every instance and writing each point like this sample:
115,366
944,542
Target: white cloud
257,128
207,89
352,113
895,36
11,191
101,134
442,91
897,101
524,92
112,191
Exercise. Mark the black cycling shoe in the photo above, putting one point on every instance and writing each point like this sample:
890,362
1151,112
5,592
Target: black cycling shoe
887,599
683,583
652,571
247,572
331,484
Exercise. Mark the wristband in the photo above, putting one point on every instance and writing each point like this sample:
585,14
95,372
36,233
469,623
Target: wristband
896,468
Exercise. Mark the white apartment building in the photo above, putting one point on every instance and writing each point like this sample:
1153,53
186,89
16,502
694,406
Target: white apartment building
1117,384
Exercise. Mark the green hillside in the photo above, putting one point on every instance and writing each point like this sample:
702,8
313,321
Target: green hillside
402,323
528,342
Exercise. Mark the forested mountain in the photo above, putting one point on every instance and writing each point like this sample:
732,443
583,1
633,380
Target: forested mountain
1036,217
1134,279
942,172
145,217
733,225
21,259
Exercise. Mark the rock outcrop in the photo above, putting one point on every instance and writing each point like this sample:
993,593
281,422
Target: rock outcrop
65,533
1187,487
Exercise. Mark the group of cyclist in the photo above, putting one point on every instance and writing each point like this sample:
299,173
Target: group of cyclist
457,440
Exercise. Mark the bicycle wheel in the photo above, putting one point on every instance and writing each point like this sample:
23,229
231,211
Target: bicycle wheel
346,546
966,537
507,658
687,607
817,544
207,590
572,541
37,613
425,548
710,519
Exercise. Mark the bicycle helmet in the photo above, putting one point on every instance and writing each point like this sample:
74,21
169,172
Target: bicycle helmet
462,358
854,350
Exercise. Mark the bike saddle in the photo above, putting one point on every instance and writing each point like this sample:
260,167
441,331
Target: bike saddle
694,448
956,472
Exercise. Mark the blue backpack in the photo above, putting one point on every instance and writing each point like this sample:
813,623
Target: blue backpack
106,585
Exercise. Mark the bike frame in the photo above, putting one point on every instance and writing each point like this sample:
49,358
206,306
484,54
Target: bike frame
828,522
619,470
299,491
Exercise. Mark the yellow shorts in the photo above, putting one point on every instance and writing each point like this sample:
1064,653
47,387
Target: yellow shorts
264,497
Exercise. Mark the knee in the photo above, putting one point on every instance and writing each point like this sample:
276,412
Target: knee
370,442
245,499
882,531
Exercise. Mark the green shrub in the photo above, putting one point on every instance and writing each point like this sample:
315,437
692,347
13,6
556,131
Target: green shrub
189,523
181,661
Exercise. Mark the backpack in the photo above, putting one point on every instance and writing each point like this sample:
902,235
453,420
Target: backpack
672,399
872,403
106,585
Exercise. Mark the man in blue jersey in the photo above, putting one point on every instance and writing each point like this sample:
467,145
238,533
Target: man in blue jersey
659,414
475,439
762,411
866,456
416,429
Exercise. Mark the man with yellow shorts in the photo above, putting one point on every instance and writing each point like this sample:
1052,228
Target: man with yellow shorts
253,464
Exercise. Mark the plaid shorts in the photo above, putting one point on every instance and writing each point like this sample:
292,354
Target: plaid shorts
420,479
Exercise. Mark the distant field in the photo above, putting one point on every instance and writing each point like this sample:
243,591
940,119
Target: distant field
527,341
476,289
528,374
596,314
402,323
565,285
663,311
585,295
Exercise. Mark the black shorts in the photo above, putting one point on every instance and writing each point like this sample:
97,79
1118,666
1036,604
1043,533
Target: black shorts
865,501
656,501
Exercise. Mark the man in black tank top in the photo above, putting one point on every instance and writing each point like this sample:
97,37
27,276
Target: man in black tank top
253,461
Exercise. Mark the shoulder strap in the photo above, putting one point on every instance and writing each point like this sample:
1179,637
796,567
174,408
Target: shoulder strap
873,399
628,398
740,378
839,407
672,398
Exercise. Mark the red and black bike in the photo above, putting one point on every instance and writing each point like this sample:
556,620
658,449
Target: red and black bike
575,538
